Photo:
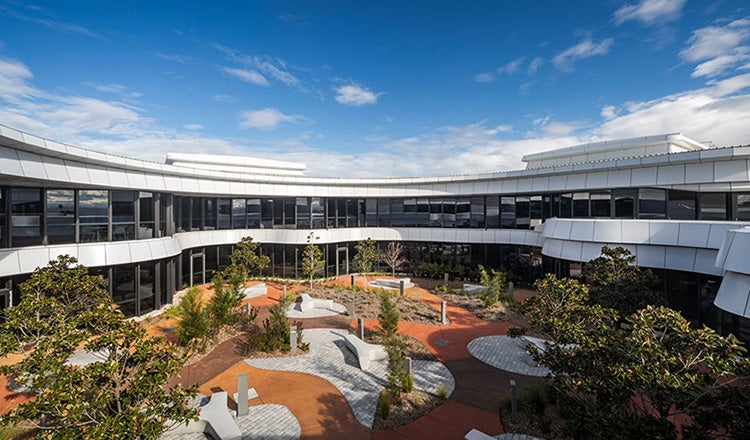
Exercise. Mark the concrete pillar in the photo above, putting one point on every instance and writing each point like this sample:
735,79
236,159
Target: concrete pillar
361,328
242,395
351,307
293,338
352,278
407,365
510,289
401,287
445,278
443,313
513,406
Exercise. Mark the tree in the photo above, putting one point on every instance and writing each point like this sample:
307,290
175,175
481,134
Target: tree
194,322
494,283
365,256
121,393
395,345
224,306
616,282
628,383
393,256
246,257
312,259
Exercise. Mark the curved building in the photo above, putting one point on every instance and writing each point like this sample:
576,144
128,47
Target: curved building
681,207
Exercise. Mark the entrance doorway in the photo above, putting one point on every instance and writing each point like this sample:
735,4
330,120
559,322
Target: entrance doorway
342,261
197,269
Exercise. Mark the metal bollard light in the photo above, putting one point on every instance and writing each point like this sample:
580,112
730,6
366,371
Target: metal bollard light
242,395
513,407
510,289
351,307
443,313
361,328
401,287
293,338
352,280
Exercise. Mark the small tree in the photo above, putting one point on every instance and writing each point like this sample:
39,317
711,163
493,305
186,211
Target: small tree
395,345
494,283
312,259
223,308
194,322
388,316
247,259
393,256
365,257
616,282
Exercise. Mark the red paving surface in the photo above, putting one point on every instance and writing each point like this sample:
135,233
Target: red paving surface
322,410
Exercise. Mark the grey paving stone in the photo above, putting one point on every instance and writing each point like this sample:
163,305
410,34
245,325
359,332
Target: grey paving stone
508,354
263,422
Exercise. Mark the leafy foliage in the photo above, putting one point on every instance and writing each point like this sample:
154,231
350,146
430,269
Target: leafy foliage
224,306
393,256
365,257
494,283
395,345
388,316
122,394
193,327
628,383
245,256
312,261
617,283
276,331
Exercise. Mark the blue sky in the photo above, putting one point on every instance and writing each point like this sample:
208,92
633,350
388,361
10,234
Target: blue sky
386,88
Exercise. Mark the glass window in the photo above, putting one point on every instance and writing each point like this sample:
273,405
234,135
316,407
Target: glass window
341,213
522,212
449,213
147,287
253,213
61,219
224,213
278,213
566,205
372,212
436,213
492,213
266,213
652,203
581,205
397,213
209,214
601,202
123,215
303,213
145,215
2,217
477,212
26,217
463,212
290,217
164,230
535,211
93,213
124,288
423,213
331,213
410,212
318,213
742,210
713,206
239,217
681,205
624,202
508,212
196,213
384,212
351,213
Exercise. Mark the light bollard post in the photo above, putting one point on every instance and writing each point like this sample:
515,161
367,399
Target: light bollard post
361,328
513,408
293,338
351,307
443,313
242,395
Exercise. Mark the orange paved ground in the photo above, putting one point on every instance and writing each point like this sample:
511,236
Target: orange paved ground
322,410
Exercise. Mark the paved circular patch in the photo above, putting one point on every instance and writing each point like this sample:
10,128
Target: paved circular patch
269,422
330,359
293,311
508,354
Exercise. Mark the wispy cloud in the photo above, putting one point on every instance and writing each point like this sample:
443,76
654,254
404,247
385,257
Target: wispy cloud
223,97
719,48
246,75
265,119
355,95
44,18
534,66
508,68
262,65
650,12
193,127
177,58
587,48
116,89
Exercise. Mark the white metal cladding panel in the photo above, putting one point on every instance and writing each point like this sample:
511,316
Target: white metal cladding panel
9,262
582,230
117,253
98,175
663,232
524,185
189,185
643,176
571,250
718,231
155,182
92,254
173,183
158,247
576,181
618,178
731,171
564,229
77,172
678,258
705,262
55,169
596,180
33,257
589,251
608,231
650,256
118,178
736,252
32,165
509,186
540,183
636,231
699,172
552,247
670,175
558,182
141,251
137,181
734,294
694,234
9,162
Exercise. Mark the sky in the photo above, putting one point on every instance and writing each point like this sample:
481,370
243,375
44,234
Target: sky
374,88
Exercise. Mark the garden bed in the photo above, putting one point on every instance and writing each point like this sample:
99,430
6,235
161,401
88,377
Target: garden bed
411,407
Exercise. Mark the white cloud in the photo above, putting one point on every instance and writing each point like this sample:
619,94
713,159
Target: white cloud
13,79
117,89
484,77
271,67
587,48
508,68
718,48
177,58
193,127
355,95
650,12
42,17
223,97
265,119
534,66
608,112
246,75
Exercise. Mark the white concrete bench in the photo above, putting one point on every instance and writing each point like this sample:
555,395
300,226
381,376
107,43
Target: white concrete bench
476,434
473,289
255,291
313,303
214,419
394,284
365,352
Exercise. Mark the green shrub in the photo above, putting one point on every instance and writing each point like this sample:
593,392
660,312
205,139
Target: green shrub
442,391
494,285
384,404
193,325
516,332
388,316
223,308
